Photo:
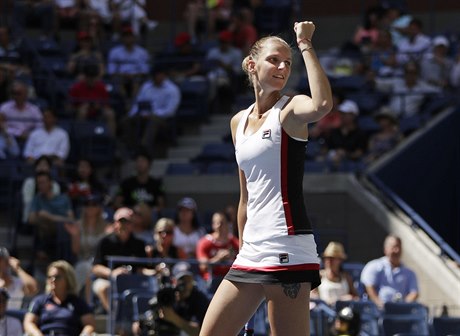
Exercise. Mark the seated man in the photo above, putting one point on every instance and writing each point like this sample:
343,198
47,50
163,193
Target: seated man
387,279
121,242
48,212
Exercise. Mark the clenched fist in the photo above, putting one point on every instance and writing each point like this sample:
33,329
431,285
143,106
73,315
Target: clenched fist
304,30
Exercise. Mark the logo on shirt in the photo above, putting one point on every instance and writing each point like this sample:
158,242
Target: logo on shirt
284,258
266,134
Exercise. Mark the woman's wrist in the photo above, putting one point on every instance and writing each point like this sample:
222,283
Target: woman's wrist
304,44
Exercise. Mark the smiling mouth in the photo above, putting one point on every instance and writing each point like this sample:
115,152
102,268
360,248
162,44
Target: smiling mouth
279,76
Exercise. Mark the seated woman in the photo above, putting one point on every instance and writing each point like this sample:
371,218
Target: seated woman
59,311
163,235
336,284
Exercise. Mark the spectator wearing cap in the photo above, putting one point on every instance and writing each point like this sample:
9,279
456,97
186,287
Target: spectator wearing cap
121,242
50,140
185,61
414,44
336,284
15,280
153,111
188,311
386,138
128,64
348,142
9,326
141,187
85,234
226,76
86,53
89,98
188,231
436,66
347,323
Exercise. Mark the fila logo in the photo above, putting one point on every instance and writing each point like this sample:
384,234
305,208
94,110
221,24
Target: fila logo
284,258
266,134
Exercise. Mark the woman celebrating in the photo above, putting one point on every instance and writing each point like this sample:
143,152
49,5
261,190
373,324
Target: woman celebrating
60,311
277,260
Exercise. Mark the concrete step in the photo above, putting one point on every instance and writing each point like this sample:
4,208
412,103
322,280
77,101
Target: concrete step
185,152
216,129
199,140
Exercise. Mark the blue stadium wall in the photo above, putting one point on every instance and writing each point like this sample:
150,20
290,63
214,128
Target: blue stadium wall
426,175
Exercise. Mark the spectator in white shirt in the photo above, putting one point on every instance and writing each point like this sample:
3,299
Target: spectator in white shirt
21,116
415,44
50,140
436,66
154,107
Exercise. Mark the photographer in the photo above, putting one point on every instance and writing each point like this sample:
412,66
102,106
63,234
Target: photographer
178,306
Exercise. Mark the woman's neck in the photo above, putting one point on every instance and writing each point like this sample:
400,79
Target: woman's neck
265,101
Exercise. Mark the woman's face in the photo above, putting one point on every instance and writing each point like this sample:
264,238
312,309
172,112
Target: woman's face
43,166
84,169
185,214
164,233
273,67
330,262
56,280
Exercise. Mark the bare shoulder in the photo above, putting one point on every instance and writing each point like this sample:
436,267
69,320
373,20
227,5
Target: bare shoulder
236,119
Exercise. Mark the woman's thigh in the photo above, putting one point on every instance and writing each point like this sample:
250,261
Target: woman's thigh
288,309
231,307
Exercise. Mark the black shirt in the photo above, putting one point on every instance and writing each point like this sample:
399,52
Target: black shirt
135,192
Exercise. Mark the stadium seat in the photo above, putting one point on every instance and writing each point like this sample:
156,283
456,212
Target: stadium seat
405,308
216,152
394,324
444,326
186,168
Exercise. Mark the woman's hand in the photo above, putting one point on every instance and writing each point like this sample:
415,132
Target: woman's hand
304,30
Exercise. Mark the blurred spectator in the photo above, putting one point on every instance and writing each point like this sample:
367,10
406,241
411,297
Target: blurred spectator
382,55
396,19
9,147
406,94
415,44
220,246
48,212
347,323
27,13
142,222
5,83
132,13
336,284
128,64
455,74
16,280
366,34
226,76
59,311
141,188
185,61
153,111
243,30
86,234
83,183
121,242
90,99
11,325
43,164
163,247
188,231
348,142
386,138
186,313
231,212
22,117
387,278
436,66
68,12
50,140
195,15
323,127
12,60
86,53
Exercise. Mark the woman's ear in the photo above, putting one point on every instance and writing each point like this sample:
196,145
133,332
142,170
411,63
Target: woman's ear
251,66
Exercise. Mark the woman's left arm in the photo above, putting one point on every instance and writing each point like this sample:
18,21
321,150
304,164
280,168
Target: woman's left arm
312,109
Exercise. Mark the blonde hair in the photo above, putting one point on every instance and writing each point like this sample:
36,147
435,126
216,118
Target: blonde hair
257,49
164,223
69,275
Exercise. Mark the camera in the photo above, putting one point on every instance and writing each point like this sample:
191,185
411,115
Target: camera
150,322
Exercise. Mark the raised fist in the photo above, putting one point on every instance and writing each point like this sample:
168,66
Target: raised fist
304,30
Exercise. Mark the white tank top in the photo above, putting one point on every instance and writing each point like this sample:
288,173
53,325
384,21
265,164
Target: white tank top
273,163
331,291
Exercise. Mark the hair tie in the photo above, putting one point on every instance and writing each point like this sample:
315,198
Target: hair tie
303,40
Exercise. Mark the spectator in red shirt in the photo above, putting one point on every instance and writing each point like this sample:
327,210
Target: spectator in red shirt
90,97
244,32
220,246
